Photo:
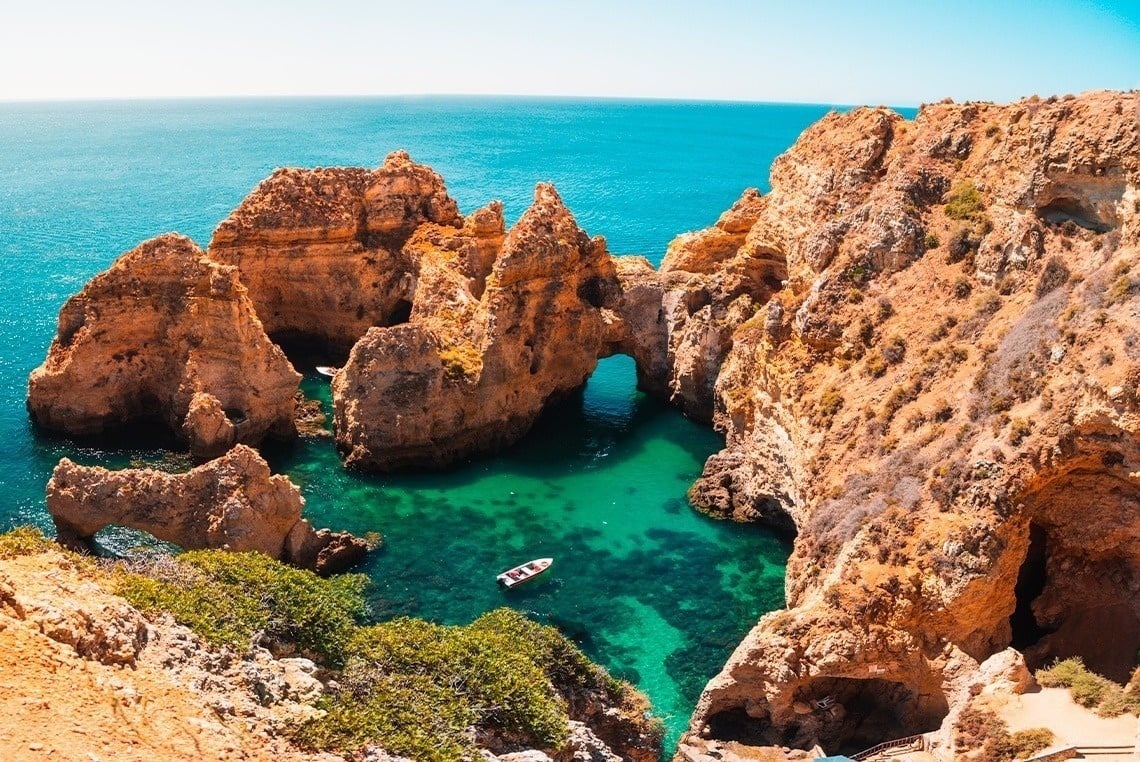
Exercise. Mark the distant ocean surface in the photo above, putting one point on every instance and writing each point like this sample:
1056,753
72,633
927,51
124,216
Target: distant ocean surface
644,584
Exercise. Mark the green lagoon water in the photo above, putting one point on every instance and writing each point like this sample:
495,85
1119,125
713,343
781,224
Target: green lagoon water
648,587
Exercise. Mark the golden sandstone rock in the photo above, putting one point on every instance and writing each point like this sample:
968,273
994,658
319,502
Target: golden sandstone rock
167,334
942,404
230,503
921,348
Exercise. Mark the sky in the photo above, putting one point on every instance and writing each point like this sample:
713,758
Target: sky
828,51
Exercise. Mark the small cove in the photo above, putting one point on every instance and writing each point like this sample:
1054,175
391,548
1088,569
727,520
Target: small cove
648,587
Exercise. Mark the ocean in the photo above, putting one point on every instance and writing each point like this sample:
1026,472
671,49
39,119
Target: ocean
648,587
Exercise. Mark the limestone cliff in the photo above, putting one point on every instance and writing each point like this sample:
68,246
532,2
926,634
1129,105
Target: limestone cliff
230,503
941,401
479,357
169,335
86,676
320,249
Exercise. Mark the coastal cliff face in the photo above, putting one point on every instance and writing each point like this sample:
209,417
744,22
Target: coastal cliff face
941,402
85,674
321,249
230,503
165,334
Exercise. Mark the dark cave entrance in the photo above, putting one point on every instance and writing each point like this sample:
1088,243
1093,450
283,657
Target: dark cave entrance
871,711
1076,591
306,350
400,313
1063,209
841,713
1030,584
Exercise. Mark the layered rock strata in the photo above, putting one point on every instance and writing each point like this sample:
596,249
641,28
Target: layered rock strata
165,334
230,503
479,357
321,249
941,402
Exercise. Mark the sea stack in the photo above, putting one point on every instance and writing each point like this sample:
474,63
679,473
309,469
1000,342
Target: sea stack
165,334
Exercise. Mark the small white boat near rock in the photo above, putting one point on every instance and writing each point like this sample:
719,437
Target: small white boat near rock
327,370
523,572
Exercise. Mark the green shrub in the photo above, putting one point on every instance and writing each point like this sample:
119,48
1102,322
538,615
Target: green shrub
23,541
964,202
931,241
228,597
1061,674
1021,744
962,287
876,366
497,673
1088,688
961,245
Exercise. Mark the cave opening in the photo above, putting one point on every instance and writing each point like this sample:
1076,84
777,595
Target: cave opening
1064,209
1030,584
1076,591
400,313
842,714
308,350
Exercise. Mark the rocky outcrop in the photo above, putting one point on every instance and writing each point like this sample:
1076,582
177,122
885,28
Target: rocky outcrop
165,334
320,249
231,503
65,649
940,401
479,358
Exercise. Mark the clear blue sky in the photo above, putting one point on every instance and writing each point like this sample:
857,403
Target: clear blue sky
829,51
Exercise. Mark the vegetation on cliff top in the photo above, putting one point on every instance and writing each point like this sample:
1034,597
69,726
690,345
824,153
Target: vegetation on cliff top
408,686
982,730
415,687
228,598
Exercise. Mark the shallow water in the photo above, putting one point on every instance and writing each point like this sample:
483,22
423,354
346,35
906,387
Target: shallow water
648,587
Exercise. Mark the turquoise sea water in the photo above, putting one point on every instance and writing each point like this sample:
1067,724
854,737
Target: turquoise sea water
648,587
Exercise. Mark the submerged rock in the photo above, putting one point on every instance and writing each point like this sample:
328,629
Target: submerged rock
231,503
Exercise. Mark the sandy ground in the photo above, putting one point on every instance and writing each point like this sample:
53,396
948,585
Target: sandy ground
57,705
1071,723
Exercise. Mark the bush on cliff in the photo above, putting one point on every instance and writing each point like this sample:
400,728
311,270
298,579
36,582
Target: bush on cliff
227,598
24,541
413,687
1089,689
964,202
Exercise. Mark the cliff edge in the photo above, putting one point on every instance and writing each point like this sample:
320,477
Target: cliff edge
941,401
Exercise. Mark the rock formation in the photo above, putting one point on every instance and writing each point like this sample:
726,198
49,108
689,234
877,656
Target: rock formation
65,643
230,503
320,249
483,352
165,334
941,402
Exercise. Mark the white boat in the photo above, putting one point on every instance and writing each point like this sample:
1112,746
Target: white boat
523,572
327,370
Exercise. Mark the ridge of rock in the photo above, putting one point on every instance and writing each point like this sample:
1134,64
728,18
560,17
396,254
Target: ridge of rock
477,361
945,380
230,503
320,249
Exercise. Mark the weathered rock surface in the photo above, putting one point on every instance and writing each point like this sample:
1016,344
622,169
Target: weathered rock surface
483,351
84,675
230,503
169,335
320,249
941,401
